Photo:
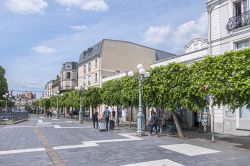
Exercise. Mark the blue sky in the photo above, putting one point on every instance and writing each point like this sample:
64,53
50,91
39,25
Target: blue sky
37,36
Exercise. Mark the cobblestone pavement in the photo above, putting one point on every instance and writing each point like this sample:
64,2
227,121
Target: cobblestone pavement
32,143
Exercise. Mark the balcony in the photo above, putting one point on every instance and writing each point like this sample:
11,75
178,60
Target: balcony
238,21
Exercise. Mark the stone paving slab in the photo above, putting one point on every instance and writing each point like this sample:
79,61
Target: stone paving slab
18,138
26,159
111,153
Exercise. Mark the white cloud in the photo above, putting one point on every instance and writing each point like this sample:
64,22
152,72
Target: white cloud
156,35
177,37
192,29
78,27
89,5
26,6
44,50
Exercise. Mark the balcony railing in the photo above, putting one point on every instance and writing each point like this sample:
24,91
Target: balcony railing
238,21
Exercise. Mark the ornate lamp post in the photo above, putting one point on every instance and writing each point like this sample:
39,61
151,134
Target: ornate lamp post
140,115
81,94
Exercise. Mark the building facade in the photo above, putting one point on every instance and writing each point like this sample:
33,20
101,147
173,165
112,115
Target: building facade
68,76
228,29
111,57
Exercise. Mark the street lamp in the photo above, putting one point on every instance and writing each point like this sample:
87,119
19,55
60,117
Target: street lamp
57,111
6,96
81,93
140,115
210,101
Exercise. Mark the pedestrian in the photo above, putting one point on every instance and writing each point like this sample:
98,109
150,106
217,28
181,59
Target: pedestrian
95,120
119,114
50,112
153,123
106,115
113,113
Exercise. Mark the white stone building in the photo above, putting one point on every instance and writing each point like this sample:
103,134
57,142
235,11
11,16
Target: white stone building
228,29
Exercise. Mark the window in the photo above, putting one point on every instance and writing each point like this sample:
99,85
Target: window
244,112
242,44
229,114
95,77
84,69
95,63
89,67
237,8
68,75
240,7
84,81
68,66
89,79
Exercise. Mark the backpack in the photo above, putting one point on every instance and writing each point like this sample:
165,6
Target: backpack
106,113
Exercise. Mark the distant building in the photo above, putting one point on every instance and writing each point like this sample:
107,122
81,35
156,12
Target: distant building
68,76
111,57
65,82
23,100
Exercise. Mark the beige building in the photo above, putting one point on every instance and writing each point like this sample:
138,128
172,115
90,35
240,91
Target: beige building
111,57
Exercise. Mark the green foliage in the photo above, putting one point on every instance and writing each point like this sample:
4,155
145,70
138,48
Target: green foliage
227,78
171,85
3,83
2,103
92,97
111,92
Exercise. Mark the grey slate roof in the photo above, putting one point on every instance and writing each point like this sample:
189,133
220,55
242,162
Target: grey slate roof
96,50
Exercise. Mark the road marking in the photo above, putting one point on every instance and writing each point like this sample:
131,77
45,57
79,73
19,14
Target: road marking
164,162
76,146
40,122
59,127
22,151
17,127
51,150
41,117
68,121
55,119
188,149
129,138
94,143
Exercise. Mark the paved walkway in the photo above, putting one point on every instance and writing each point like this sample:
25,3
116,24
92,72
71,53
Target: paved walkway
47,141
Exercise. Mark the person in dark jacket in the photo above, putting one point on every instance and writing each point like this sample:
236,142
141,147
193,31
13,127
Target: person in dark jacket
106,115
153,123
95,120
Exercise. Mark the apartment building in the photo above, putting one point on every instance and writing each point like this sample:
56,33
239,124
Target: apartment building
52,87
111,57
68,76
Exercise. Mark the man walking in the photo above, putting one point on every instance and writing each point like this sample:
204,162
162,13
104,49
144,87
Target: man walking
95,120
106,115
153,123
119,115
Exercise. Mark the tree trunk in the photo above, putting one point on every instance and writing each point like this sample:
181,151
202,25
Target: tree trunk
178,127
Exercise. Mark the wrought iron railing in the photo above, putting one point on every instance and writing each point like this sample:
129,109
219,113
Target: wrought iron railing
238,21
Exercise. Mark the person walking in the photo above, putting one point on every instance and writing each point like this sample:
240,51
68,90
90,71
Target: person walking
95,120
153,123
106,115
119,114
